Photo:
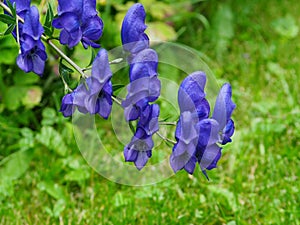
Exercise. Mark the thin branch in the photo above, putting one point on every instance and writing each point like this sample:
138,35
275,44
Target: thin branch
167,123
165,138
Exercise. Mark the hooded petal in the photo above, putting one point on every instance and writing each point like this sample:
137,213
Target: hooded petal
100,68
191,92
133,37
224,106
32,25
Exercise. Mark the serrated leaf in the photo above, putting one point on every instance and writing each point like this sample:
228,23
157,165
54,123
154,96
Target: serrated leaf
52,140
48,21
7,19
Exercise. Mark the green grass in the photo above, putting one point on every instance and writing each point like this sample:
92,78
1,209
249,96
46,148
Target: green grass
257,179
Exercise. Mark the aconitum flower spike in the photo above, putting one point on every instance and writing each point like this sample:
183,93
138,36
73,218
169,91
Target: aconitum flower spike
78,21
93,97
198,137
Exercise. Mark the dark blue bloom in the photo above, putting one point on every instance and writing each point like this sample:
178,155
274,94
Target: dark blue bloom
94,96
139,150
79,21
33,55
144,85
22,6
133,37
222,113
198,137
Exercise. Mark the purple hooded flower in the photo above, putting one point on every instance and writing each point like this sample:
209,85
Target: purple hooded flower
139,150
197,135
22,6
33,55
222,113
133,37
79,21
94,96
144,85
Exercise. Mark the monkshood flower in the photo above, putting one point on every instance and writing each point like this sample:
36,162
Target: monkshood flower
133,37
139,150
198,137
22,6
79,21
222,113
144,85
33,55
93,97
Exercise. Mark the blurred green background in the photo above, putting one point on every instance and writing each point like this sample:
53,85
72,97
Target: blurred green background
253,44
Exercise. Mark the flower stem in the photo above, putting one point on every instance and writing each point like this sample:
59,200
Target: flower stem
167,123
165,138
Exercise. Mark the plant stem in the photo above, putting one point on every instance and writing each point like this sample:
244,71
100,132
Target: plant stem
167,123
165,138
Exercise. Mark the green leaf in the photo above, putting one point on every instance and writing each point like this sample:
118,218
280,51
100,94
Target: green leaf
52,140
13,97
12,8
9,29
78,175
7,19
49,117
93,55
49,16
117,87
161,31
65,71
286,27
15,165
22,78
58,207
53,189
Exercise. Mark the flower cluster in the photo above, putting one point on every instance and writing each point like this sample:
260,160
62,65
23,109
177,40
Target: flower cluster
198,136
32,56
143,89
79,21
93,96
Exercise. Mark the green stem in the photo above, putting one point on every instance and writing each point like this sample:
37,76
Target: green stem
165,138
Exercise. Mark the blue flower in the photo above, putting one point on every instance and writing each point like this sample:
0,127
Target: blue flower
22,6
133,37
222,113
33,55
144,85
198,137
79,21
94,96
139,150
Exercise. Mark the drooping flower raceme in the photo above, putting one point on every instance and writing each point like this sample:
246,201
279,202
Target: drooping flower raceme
198,137
79,21
33,55
143,89
93,97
